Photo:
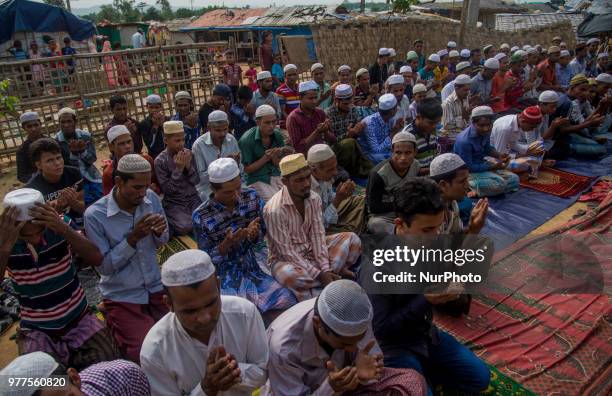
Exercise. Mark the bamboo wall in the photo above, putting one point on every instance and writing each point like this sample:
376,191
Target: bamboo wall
48,84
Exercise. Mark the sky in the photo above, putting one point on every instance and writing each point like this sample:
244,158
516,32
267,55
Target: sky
202,3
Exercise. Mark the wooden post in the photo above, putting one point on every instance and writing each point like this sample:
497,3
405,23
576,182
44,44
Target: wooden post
469,18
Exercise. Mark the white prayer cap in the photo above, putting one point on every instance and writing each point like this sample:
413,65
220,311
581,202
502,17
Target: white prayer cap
604,78
153,99
24,199
31,365
442,52
345,308
557,38
453,54
223,170
65,110
504,46
403,137
133,163
308,86
465,53
405,69
521,53
186,268
319,153
434,58
599,56
361,72
395,79
562,44
500,56
451,44
445,163
387,102
431,94
593,41
290,67
383,51
116,131
532,50
218,116
492,63
418,88
463,79
344,68
548,97
263,75
316,66
343,91
526,47
173,127
411,55
462,65
514,49
182,95
392,52
265,110
553,49
482,111
487,47
29,116
564,53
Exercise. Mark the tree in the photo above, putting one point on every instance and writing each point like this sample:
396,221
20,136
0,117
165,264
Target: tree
129,12
152,14
7,102
166,10
109,13
59,3
402,5
185,13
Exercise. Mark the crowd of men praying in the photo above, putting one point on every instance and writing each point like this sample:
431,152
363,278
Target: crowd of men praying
276,187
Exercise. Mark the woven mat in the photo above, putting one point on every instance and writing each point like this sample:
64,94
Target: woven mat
557,182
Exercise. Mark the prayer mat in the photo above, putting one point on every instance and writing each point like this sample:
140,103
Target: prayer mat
174,245
500,385
551,343
557,182
598,191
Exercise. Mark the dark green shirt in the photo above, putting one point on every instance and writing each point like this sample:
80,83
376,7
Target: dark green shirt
252,149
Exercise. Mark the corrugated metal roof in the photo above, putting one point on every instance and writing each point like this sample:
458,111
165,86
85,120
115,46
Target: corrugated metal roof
175,24
485,5
513,22
229,17
299,15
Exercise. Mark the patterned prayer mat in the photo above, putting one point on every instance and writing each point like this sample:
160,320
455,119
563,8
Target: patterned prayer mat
174,245
550,342
500,385
557,182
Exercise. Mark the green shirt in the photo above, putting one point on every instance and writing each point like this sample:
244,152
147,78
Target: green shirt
252,149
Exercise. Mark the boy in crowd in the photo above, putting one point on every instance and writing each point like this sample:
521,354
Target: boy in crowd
30,123
119,107
240,117
185,114
232,73
151,128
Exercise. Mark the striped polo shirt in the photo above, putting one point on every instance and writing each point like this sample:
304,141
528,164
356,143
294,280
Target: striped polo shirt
427,147
288,97
45,280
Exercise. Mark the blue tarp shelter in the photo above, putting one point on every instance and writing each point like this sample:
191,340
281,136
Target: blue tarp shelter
29,16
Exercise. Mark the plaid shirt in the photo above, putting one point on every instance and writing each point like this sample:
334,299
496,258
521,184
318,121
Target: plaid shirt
118,377
340,121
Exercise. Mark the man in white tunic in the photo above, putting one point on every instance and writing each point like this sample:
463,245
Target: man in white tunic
207,344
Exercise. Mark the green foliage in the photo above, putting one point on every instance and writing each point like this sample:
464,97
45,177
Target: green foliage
373,7
7,102
402,5
152,14
166,10
128,10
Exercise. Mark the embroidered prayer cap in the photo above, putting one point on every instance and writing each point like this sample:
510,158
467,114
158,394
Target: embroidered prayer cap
548,97
401,137
492,64
116,131
520,53
451,44
387,102
308,86
218,116
392,52
265,110
463,79
601,55
186,268
343,91
405,69
482,111
532,114
445,163
133,163
383,51
29,116
319,153
557,38
514,49
553,50
263,75
411,55
434,58
31,365
531,51
578,79
222,90
361,72
500,56
153,99
395,79
290,67
316,66
462,65
344,68
24,199
604,78
223,170
593,41
564,53
465,53
292,163
504,46
418,88
442,53
173,127
345,308
182,95
65,110
487,47
453,54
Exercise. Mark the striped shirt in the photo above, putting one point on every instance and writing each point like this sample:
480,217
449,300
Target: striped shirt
452,115
288,97
427,147
293,239
45,280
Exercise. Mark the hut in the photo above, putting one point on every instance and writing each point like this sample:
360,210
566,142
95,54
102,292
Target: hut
121,32
486,13
176,34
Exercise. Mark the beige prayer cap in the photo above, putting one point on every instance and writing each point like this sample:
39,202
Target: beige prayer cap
65,110
319,153
24,199
116,131
264,110
401,137
186,268
292,163
361,71
133,163
182,95
554,49
173,127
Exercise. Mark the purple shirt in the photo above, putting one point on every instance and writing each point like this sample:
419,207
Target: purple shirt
301,126
115,378
178,187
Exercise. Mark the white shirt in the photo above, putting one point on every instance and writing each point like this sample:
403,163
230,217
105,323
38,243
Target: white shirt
448,90
402,109
175,363
138,40
506,135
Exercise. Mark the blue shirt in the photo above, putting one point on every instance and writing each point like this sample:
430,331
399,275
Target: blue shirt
240,120
472,148
19,54
426,75
278,72
564,75
191,134
86,160
128,274
375,141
